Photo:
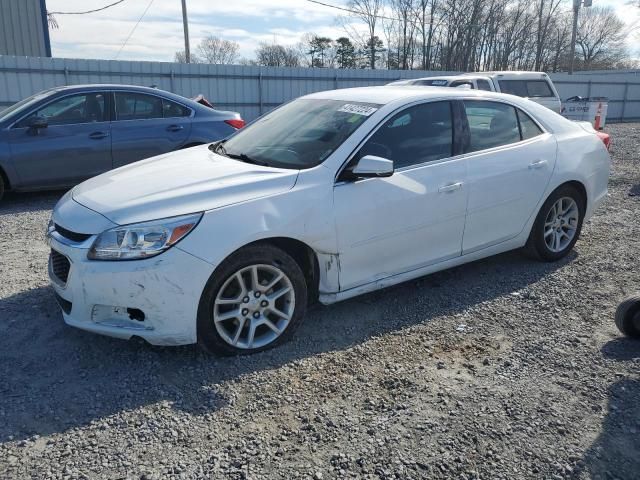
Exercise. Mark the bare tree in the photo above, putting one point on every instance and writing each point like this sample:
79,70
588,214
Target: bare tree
369,11
215,50
600,38
181,57
274,55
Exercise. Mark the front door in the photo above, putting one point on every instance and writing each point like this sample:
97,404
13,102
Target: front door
75,145
414,218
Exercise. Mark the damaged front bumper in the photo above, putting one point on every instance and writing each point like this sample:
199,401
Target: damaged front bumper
155,298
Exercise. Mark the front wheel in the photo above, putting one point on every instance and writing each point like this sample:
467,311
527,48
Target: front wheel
2,187
558,224
254,301
628,317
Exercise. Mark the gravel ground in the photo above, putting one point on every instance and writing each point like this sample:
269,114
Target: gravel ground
504,368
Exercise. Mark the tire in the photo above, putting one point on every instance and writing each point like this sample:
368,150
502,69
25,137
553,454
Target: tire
240,308
628,317
2,187
565,232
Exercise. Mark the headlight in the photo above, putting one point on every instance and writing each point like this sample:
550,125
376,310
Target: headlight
142,240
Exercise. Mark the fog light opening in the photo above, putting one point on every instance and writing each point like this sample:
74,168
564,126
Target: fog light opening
135,314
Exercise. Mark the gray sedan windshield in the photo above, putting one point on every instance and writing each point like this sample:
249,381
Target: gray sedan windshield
298,135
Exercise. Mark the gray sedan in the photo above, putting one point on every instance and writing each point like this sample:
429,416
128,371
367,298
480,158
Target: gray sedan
62,136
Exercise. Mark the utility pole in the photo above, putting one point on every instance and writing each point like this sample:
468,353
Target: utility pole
576,10
185,24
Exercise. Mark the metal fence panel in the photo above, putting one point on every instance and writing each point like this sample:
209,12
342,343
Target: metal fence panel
252,90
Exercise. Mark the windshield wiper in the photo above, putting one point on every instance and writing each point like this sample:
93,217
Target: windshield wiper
218,148
245,158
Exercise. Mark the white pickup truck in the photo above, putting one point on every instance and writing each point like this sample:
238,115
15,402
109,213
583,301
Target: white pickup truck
536,86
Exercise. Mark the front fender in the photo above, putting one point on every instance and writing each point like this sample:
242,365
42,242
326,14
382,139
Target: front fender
303,213
6,165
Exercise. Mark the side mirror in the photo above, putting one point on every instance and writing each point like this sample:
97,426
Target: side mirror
38,122
371,166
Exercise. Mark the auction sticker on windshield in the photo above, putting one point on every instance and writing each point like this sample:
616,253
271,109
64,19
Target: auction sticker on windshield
364,110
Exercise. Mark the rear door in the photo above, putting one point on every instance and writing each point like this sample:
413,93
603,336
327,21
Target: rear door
75,145
509,165
147,125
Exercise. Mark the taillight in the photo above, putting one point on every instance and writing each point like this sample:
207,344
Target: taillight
236,123
606,139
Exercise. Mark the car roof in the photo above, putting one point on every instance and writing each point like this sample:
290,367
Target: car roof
404,93
505,73
400,95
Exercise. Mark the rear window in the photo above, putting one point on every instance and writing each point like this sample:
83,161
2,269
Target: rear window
435,82
526,88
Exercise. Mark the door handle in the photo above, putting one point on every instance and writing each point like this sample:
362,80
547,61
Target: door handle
537,164
174,128
450,187
98,135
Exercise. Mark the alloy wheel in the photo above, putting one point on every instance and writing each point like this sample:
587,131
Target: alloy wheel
254,306
561,224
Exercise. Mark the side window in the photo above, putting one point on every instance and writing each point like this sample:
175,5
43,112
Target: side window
491,124
483,84
526,88
514,87
172,109
84,108
528,127
418,134
137,106
539,88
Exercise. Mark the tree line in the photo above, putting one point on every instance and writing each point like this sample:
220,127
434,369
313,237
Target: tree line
450,35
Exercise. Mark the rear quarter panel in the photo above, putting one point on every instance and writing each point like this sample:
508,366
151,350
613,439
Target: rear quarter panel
583,157
207,125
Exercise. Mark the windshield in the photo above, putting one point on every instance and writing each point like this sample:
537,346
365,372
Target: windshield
22,104
298,135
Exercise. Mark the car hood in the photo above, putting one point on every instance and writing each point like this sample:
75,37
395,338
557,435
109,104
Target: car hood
186,181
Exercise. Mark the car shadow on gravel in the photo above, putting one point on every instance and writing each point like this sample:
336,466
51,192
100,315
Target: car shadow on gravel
622,349
55,378
14,202
615,454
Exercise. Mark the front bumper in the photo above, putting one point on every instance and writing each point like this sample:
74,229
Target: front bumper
108,297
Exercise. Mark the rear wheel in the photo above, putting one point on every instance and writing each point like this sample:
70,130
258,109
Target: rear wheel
558,224
2,187
628,317
254,301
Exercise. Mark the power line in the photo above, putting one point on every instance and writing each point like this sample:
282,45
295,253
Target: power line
87,11
344,9
133,29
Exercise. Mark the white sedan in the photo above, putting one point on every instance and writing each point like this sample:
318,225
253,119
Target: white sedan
329,196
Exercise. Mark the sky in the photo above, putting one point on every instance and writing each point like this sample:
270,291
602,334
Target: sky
159,35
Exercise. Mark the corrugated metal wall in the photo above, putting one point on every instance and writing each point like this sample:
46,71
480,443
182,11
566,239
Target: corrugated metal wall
254,90
23,28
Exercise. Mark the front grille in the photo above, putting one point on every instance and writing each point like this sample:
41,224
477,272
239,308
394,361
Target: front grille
60,266
73,236
65,305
